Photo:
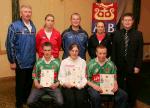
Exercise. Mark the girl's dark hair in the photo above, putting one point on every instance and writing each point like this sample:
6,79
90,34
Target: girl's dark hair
71,46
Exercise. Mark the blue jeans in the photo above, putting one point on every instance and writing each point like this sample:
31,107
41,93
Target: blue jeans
120,98
37,93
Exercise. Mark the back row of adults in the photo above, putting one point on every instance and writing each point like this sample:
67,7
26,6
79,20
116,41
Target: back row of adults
124,46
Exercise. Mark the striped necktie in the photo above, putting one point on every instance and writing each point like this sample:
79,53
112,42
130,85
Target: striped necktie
126,40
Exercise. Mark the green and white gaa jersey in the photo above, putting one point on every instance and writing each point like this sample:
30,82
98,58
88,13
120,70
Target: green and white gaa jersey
94,70
41,64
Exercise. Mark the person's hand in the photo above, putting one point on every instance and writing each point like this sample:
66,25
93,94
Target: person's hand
54,86
79,86
97,88
37,84
13,66
136,70
115,87
68,85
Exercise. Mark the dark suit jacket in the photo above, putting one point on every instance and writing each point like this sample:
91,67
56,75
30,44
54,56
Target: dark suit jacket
93,43
134,53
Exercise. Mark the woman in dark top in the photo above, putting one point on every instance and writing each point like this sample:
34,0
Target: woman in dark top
99,38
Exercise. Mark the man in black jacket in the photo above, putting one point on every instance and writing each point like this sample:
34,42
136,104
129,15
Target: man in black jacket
127,53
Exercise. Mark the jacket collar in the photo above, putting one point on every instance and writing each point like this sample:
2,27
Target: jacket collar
124,30
24,24
80,29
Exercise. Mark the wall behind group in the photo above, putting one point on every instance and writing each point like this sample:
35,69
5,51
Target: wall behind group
62,9
145,20
5,20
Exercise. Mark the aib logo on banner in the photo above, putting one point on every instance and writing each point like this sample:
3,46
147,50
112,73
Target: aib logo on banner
106,12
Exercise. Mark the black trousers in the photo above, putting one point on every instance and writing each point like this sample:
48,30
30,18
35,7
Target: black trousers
75,98
23,85
129,82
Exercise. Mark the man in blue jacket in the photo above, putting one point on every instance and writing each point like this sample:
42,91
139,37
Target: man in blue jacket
21,52
75,34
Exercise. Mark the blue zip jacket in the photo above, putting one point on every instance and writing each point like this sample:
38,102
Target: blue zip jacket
70,36
20,44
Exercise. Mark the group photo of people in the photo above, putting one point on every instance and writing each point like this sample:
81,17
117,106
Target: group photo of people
72,68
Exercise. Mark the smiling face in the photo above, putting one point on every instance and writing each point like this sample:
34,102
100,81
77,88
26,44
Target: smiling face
75,20
100,28
26,13
47,51
127,22
101,54
74,52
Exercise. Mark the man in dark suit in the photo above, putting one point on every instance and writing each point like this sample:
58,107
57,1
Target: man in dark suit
127,52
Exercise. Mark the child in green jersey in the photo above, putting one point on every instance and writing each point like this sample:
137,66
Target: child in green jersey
96,67
51,64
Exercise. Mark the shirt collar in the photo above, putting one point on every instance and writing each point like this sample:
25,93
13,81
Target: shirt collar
101,64
124,30
48,62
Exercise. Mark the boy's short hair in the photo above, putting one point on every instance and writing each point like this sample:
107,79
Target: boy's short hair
46,44
100,47
127,14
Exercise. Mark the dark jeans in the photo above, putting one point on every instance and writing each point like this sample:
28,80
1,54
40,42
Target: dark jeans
120,98
37,93
23,85
75,98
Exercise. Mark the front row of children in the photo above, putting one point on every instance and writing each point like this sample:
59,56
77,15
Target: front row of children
75,83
